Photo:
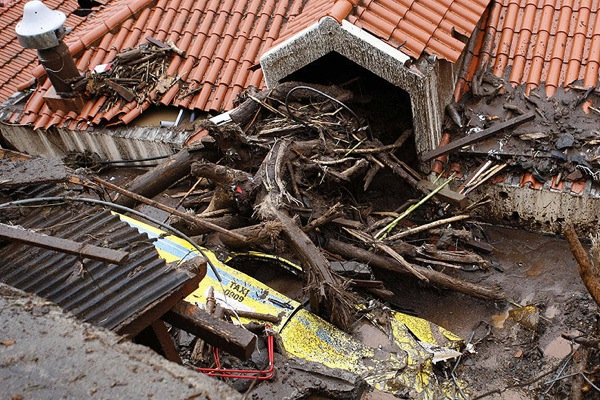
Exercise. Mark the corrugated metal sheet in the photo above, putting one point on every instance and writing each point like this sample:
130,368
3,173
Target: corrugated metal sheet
107,295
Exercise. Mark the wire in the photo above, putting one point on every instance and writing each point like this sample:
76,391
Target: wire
134,160
134,166
287,106
60,57
120,208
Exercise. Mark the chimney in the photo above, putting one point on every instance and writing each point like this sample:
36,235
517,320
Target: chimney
42,29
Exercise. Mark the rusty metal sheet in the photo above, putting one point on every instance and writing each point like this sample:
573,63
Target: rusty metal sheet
125,298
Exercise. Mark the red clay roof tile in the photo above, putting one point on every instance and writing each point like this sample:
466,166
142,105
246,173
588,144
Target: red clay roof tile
557,42
223,39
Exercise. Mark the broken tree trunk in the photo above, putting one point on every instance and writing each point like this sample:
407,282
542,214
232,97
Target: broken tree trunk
440,279
329,293
163,176
589,272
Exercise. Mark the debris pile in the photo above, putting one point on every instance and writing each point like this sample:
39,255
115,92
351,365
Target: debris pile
302,178
135,74
558,143
303,166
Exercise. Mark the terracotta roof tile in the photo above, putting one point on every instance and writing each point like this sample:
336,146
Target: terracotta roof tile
13,54
223,40
555,42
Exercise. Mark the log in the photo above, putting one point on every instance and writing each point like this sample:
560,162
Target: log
328,293
191,229
161,177
465,257
436,278
189,217
256,235
590,273
234,187
235,340
220,174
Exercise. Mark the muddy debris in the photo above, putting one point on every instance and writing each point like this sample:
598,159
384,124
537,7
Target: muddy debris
302,202
561,140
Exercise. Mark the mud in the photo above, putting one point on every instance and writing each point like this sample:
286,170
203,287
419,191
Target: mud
534,270
561,138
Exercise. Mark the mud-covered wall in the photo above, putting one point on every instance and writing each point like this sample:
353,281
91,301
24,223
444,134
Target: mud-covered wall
446,78
110,144
539,210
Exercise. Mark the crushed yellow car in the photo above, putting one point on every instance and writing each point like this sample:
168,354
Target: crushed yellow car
403,364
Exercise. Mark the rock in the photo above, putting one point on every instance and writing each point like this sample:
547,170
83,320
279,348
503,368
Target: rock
565,141
574,176
528,316
558,154
579,159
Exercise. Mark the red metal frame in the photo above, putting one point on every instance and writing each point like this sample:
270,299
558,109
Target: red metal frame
254,374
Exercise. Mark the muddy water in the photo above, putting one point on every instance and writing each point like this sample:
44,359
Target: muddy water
537,269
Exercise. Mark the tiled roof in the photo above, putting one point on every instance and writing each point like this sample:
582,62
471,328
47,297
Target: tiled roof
414,26
532,42
224,39
16,63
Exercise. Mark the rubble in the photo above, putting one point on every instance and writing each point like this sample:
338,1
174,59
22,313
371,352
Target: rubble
304,179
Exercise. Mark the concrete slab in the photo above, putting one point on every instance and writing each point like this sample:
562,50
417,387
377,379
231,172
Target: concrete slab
47,354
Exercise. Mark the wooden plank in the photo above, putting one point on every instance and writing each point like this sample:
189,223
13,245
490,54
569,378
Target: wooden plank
446,194
166,342
63,245
235,340
121,90
457,144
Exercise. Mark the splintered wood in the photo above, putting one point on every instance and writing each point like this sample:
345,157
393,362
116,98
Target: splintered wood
302,171
133,75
